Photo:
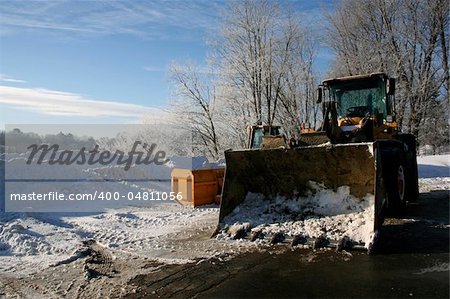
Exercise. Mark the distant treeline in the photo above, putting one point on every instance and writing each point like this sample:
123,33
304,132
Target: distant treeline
173,141
18,141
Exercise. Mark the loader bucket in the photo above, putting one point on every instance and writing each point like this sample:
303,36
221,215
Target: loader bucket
288,173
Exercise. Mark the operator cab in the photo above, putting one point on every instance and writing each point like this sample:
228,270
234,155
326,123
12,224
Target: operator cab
265,136
358,108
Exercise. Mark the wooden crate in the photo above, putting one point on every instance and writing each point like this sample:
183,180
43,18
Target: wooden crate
198,187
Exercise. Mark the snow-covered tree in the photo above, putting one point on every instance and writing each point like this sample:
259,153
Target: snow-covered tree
408,39
194,107
262,72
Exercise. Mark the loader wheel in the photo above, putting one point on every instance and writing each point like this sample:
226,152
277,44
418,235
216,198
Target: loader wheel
401,184
410,167
397,189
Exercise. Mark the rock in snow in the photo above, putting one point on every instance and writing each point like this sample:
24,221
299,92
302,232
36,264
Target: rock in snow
238,231
320,242
344,244
278,237
298,240
256,234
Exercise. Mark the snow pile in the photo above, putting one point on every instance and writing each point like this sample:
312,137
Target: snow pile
29,236
322,213
440,267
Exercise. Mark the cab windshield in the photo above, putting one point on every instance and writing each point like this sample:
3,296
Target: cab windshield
359,99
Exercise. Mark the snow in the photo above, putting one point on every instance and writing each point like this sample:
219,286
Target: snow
34,238
143,231
441,267
175,234
90,179
333,215
323,212
434,172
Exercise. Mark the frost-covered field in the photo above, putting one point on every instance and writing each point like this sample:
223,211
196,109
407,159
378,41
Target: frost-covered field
164,231
40,240
32,241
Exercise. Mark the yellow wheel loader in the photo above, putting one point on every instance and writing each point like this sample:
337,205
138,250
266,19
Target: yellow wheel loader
357,162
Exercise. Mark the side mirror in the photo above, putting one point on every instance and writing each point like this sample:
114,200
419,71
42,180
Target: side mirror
319,95
390,86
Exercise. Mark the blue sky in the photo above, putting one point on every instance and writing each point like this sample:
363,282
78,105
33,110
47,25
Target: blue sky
104,61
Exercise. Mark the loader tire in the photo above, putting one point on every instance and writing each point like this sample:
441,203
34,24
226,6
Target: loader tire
412,186
397,188
410,165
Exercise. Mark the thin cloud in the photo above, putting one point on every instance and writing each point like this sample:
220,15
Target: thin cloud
58,103
148,19
8,79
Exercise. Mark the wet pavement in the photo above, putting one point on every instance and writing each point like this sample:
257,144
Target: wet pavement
331,276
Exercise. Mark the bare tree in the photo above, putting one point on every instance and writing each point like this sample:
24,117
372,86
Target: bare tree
437,124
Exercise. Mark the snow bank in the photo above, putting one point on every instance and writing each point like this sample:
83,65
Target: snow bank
434,173
434,166
322,213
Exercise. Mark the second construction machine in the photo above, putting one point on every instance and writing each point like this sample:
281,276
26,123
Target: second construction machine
359,145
